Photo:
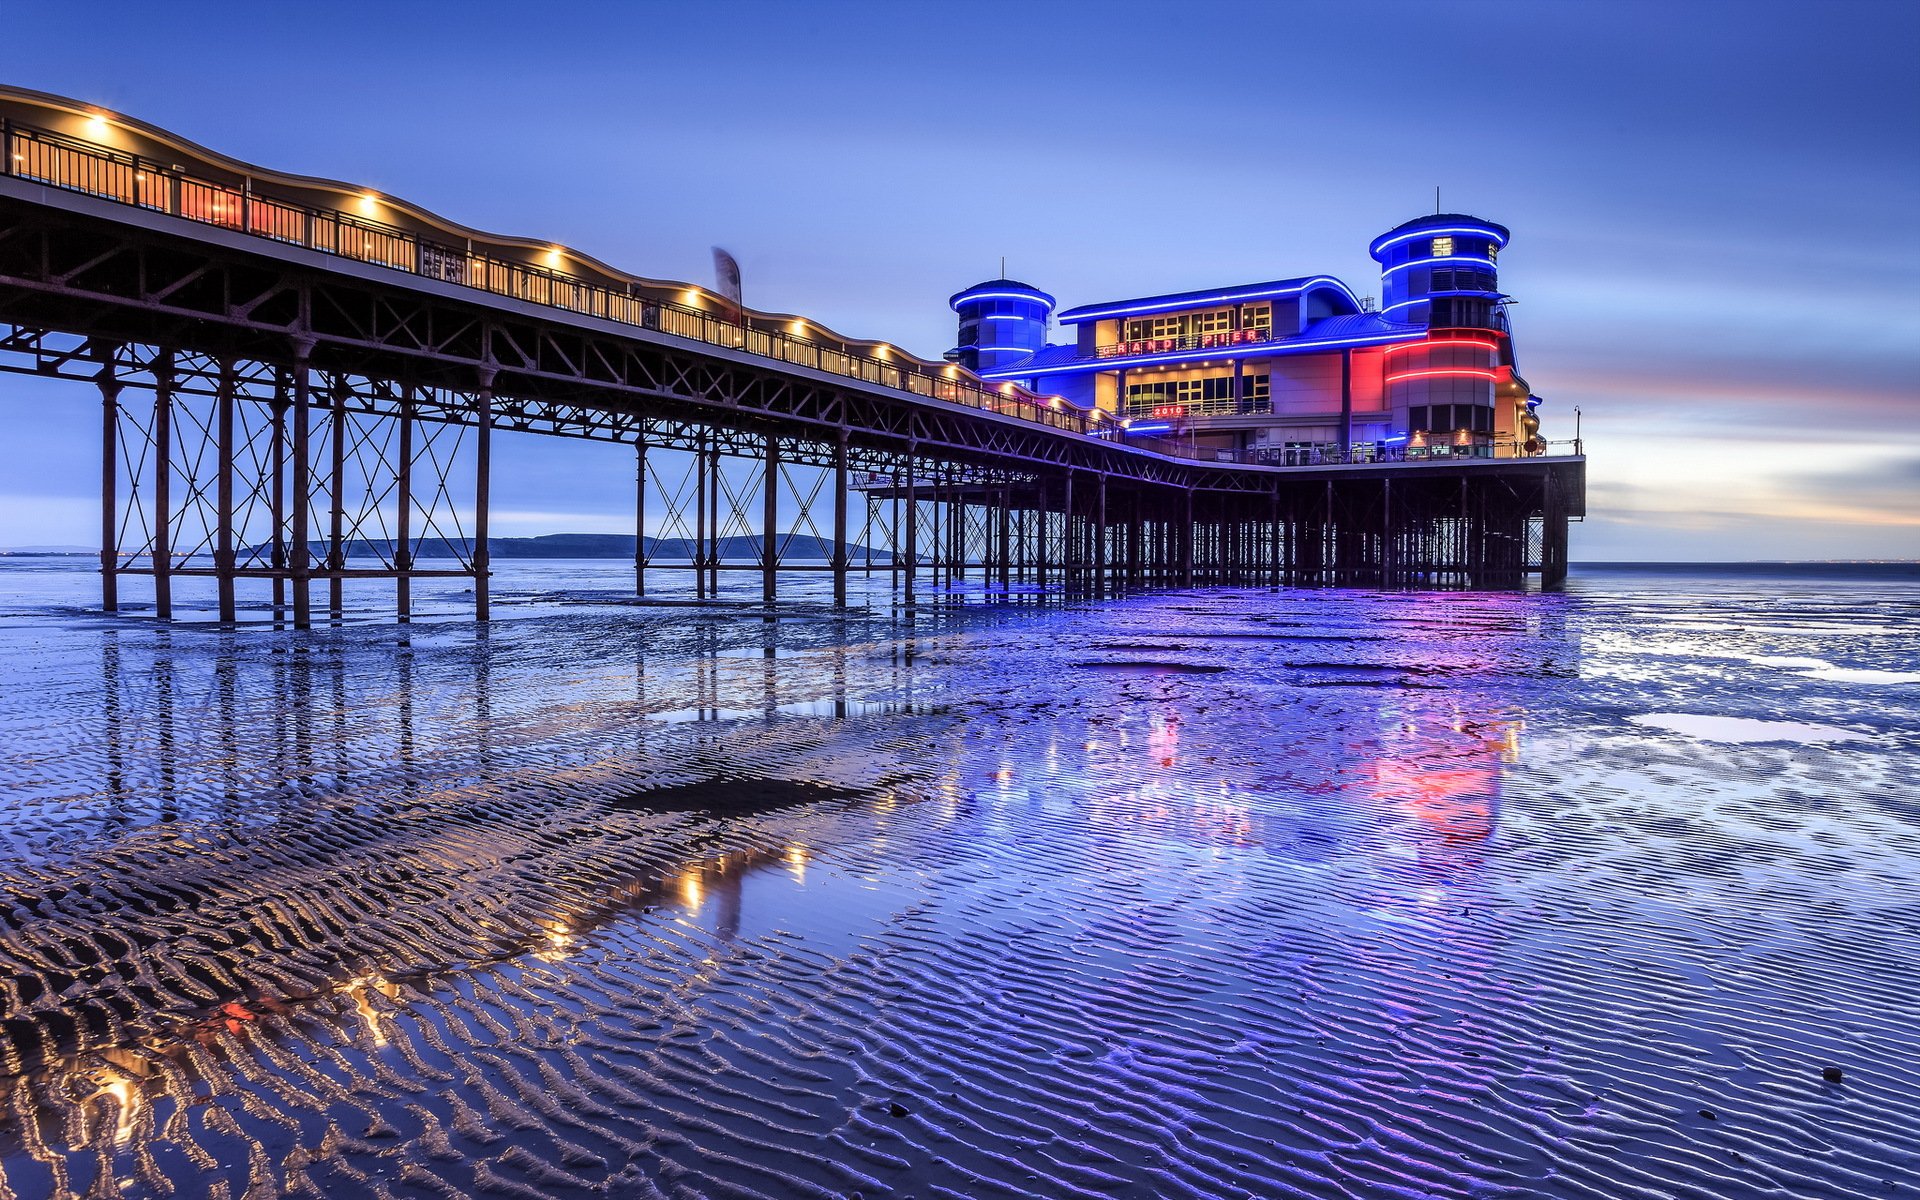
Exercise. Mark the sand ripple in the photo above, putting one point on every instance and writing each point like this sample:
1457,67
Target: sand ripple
984,904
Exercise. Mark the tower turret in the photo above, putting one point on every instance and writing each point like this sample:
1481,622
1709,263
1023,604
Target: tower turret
1441,271
1455,391
1002,322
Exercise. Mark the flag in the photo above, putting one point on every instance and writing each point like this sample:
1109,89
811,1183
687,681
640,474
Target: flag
726,277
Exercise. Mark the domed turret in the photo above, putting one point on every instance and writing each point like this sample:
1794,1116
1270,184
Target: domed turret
1440,271
1002,321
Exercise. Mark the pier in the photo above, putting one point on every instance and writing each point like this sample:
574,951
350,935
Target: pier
288,369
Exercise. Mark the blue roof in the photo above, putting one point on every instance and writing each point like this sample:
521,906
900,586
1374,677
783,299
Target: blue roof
1222,295
1007,289
1439,223
1325,334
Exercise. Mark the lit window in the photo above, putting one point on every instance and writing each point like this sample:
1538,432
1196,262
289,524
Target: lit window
1442,246
1257,316
1493,251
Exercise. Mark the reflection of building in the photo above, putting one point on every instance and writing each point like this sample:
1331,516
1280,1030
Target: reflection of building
1449,781
1295,370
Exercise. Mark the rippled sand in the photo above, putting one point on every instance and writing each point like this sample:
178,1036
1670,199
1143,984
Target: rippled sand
1232,893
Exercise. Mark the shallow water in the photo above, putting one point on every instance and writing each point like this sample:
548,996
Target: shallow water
1224,893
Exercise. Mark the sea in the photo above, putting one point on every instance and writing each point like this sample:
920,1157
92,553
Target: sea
1609,892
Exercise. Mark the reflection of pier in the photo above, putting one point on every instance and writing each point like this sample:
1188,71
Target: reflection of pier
328,369
290,828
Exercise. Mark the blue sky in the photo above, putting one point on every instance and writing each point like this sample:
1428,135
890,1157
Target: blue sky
1713,205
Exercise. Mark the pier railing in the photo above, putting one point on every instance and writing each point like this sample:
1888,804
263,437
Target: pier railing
1358,455
72,164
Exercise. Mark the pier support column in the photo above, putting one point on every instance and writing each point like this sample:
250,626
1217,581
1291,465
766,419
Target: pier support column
699,552
1006,538
840,521
913,524
714,488
482,496
163,487
300,562
1043,523
1276,542
770,522
1069,544
1100,535
1389,567
403,524
223,554
640,514
1186,544
1553,532
277,492
110,388
337,498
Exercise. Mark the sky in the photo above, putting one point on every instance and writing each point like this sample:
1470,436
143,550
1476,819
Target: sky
1714,206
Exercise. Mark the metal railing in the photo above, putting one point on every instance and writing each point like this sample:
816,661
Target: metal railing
71,164
1360,454
57,160
1219,406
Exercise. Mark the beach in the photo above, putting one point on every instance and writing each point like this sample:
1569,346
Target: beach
1230,892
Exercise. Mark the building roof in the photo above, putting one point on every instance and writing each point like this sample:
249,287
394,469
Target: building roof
1173,301
1326,334
1008,289
1439,223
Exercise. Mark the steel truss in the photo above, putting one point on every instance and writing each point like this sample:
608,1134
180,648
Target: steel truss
307,421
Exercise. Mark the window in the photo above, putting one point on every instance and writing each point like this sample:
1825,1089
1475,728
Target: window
1213,322
1256,316
1157,327
1493,251
1218,388
1442,246
1259,387
1447,418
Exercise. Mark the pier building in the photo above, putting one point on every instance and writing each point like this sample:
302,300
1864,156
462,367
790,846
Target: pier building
1289,372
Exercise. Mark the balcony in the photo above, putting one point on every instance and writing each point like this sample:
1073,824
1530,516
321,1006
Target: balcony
1219,406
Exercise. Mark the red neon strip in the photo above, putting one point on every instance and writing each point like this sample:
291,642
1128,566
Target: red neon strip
1450,372
1442,343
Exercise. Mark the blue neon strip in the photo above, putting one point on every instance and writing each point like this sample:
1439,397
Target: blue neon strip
1074,316
1136,427
1005,317
1430,295
1421,262
1174,356
1029,297
1472,230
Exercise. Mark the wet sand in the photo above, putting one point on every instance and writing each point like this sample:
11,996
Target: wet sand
1230,893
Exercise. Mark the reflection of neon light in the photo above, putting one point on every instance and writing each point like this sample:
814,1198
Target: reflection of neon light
1137,427
1448,372
1475,230
1435,343
1419,262
1164,304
